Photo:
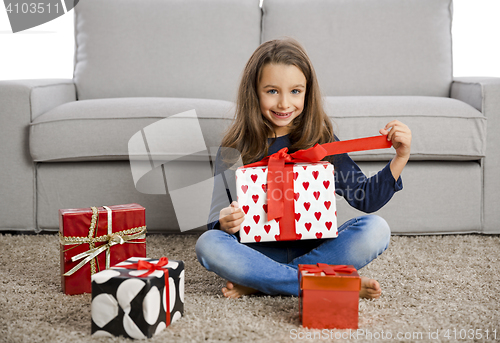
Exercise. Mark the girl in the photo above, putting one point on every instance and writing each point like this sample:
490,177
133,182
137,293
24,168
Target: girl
279,105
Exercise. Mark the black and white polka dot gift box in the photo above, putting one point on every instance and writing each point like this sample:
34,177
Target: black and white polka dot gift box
137,298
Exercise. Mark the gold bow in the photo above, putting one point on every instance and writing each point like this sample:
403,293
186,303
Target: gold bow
112,238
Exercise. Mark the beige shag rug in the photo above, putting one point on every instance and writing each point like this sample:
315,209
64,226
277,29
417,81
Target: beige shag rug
435,289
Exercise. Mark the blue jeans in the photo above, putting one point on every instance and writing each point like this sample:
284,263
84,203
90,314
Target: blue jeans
271,267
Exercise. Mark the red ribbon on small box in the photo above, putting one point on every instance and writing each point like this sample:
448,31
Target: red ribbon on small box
328,269
150,268
280,175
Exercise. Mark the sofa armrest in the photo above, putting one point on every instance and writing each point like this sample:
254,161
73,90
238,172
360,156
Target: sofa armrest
20,102
483,93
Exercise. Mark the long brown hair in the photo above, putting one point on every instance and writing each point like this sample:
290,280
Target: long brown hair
250,130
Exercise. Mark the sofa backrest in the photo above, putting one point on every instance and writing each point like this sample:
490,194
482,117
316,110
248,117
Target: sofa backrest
370,47
163,48
198,48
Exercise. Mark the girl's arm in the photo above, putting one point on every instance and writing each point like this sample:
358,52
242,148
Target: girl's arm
363,193
221,195
371,194
400,136
225,213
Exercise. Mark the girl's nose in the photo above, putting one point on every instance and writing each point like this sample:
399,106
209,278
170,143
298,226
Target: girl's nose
283,102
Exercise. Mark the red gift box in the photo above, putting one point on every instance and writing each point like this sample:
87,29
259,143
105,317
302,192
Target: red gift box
93,239
328,296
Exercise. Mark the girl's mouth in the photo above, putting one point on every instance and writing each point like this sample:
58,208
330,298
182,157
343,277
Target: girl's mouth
282,115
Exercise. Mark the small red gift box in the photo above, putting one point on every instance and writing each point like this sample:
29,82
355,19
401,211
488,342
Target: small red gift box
93,239
328,296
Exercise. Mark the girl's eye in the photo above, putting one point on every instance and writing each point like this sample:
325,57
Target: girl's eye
272,91
296,91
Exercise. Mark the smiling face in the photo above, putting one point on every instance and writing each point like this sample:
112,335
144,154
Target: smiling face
281,90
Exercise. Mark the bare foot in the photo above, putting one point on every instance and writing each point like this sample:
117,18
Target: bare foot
235,291
370,289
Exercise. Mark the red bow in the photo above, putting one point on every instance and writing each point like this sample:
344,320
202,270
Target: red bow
276,174
151,267
328,269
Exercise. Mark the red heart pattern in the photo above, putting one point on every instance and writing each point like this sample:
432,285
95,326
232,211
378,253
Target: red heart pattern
267,228
256,218
316,195
314,216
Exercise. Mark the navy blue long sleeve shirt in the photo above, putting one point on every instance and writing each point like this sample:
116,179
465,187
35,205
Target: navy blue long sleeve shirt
365,194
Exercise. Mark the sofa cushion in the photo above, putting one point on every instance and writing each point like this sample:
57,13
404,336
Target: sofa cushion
366,47
92,130
442,128
439,197
100,129
158,48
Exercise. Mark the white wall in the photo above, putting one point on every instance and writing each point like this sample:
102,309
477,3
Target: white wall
46,51
476,38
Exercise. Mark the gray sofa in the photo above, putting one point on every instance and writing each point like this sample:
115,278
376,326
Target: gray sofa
63,143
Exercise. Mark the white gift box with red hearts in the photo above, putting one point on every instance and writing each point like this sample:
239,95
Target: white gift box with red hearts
313,198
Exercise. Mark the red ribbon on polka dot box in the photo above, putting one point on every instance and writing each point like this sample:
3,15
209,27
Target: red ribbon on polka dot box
292,196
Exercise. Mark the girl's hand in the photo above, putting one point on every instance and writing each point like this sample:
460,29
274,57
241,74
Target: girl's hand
230,218
400,136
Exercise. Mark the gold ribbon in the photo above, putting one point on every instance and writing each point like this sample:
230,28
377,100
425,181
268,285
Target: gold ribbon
120,237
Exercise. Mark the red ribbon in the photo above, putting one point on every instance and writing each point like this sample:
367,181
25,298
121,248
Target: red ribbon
328,269
276,172
280,179
150,268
